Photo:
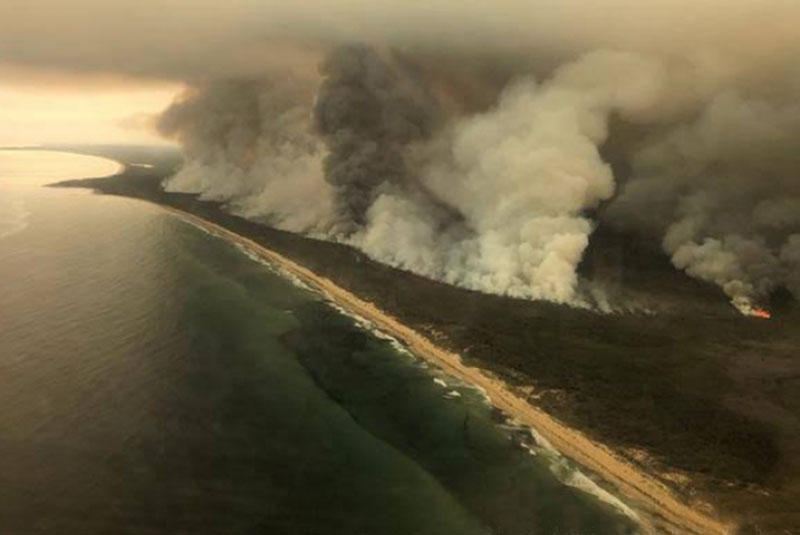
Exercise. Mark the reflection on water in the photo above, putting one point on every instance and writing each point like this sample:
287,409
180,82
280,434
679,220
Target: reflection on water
22,170
13,215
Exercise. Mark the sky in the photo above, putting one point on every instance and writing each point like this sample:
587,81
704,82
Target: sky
90,70
42,106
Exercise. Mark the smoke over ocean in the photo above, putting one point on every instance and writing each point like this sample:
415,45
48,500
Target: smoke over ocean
465,142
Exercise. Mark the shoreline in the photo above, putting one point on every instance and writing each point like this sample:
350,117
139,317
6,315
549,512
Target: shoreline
665,510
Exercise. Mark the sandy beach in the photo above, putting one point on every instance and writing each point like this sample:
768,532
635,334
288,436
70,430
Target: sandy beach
663,510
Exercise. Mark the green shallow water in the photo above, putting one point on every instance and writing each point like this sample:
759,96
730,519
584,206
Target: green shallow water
154,379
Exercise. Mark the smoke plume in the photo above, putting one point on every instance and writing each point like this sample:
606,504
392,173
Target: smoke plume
522,176
249,143
465,140
722,193
494,202
499,200
368,113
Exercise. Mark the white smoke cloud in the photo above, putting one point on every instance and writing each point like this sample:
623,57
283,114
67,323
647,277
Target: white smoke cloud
518,177
249,144
432,148
522,176
500,200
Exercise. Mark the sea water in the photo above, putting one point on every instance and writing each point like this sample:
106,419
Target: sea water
155,379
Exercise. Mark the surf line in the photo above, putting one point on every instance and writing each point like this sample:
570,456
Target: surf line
665,511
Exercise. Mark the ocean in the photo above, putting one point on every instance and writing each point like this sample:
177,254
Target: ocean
156,379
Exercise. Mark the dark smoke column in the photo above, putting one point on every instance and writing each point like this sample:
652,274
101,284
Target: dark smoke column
368,111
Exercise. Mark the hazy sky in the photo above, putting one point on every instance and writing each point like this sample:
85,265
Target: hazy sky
46,107
157,45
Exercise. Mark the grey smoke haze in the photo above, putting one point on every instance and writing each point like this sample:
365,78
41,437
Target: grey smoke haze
204,39
368,112
463,140
722,192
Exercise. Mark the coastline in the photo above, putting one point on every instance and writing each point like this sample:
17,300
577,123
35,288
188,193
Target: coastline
698,398
665,510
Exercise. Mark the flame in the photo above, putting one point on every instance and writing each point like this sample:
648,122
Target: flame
746,307
760,313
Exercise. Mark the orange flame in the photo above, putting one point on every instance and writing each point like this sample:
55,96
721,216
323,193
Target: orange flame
761,313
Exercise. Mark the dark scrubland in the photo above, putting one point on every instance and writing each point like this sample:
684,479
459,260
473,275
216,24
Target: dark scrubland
679,383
